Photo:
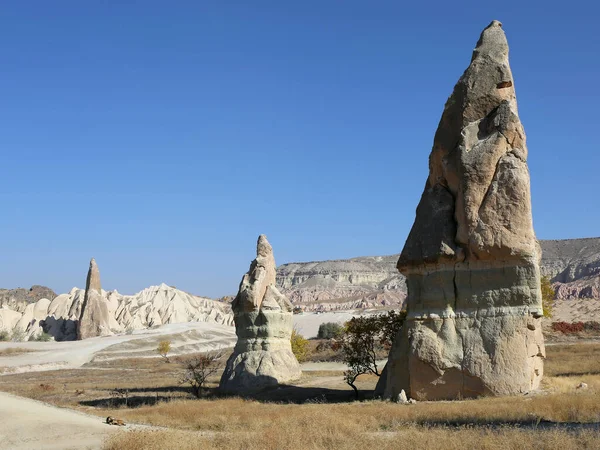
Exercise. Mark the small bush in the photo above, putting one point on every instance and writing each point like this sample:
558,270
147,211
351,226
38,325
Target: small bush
330,330
163,349
18,336
44,337
299,346
568,328
592,326
4,336
198,369
548,294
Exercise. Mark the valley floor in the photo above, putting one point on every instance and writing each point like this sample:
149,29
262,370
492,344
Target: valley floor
317,412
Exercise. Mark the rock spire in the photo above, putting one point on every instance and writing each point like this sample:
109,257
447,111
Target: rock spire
471,258
94,319
263,323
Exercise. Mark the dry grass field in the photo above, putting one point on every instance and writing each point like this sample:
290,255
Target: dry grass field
318,411
12,351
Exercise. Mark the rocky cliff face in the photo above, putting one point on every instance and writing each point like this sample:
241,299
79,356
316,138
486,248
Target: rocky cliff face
574,266
343,284
366,282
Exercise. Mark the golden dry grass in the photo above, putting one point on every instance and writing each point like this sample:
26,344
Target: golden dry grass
322,436
220,423
569,360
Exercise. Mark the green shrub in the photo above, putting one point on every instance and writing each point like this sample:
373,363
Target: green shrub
548,294
44,337
299,346
330,330
4,336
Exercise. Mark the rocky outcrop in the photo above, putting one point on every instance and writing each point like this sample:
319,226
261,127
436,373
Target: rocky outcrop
263,323
18,299
94,319
574,267
149,308
471,258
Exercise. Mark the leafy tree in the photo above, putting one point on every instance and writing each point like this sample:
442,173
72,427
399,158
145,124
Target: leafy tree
163,349
198,369
299,346
547,296
330,330
363,337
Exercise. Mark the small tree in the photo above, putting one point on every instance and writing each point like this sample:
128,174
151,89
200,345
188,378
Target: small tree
363,337
299,346
330,330
198,369
547,296
163,349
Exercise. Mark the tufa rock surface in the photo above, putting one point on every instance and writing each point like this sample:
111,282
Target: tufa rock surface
263,323
471,259
94,319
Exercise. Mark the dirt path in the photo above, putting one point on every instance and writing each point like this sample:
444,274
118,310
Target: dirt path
29,424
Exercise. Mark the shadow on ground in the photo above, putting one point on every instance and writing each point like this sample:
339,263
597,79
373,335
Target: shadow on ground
131,398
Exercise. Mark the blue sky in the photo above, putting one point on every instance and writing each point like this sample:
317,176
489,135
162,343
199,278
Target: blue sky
163,137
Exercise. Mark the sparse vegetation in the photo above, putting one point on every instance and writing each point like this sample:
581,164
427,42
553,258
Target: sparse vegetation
198,369
547,296
12,351
330,330
43,337
163,349
4,335
18,336
300,346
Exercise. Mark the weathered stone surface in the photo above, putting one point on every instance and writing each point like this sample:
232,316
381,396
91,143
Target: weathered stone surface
263,323
94,319
471,259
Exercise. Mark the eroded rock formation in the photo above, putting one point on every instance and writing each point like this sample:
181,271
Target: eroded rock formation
471,259
94,319
263,323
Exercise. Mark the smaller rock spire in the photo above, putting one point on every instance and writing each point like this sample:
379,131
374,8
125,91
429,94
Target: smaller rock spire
93,277
263,323
94,317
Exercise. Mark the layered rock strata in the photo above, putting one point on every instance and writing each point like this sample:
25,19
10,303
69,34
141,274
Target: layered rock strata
94,319
471,259
263,323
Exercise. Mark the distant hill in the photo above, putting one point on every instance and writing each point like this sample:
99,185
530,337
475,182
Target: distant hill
372,281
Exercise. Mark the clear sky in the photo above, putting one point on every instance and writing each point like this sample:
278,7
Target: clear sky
161,137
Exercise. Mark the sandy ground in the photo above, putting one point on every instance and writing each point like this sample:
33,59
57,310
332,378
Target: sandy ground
28,424
185,338
576,310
